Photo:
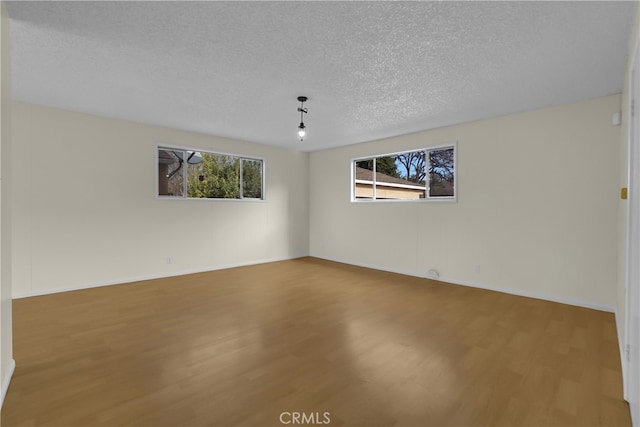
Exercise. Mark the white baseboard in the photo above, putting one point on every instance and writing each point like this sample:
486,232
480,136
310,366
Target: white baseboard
518,292
371,266
532,294
6,380
623,353
121,281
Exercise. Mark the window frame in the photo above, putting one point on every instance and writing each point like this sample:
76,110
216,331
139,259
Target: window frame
427,198
240,157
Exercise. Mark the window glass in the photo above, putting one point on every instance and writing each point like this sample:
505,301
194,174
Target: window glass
363,173
199,174
441,173
251,179
170,173
411,175
401,176
215,177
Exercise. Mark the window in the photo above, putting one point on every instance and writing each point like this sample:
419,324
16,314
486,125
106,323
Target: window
427,174
202,175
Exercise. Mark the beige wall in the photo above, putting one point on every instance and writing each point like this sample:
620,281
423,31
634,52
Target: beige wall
85,211
6,347
536,211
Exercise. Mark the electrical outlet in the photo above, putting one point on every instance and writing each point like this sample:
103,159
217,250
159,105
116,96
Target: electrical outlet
476,268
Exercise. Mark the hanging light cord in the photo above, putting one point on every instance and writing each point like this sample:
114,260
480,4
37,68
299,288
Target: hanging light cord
301,128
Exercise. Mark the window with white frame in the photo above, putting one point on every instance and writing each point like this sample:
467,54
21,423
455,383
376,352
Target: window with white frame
185,173
427,174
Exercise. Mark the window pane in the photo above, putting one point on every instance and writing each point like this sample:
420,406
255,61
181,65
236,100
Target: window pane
214,176
412,175
170,172
441,173
197,169
363,185
401,177
252,179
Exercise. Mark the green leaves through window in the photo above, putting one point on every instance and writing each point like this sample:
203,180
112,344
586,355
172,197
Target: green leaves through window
204,175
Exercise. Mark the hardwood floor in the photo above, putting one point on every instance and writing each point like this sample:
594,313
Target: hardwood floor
239,347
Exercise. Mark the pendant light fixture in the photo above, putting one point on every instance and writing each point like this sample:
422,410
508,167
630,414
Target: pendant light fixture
302,130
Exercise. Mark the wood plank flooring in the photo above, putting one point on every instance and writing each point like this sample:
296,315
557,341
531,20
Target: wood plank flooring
239,347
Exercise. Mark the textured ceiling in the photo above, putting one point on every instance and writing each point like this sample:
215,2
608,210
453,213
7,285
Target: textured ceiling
370,69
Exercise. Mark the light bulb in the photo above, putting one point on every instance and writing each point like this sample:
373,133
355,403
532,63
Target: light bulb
302,131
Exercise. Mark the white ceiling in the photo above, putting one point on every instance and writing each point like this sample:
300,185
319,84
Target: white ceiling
370,69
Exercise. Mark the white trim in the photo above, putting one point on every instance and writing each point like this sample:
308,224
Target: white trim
126,280
623,352
201,199
629,382
627,243
6,381
421,200
627,240
511,291
518,292
533,294
370,266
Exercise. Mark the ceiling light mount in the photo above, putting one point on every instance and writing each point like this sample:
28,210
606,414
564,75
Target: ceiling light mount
302,130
